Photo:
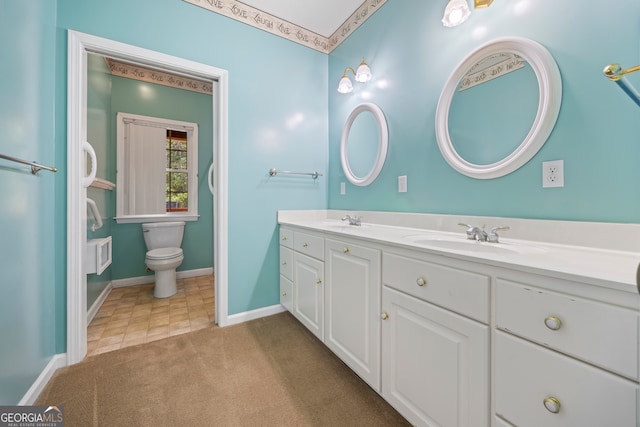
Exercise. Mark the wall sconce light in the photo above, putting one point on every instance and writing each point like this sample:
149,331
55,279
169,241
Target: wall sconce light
457,11
362,75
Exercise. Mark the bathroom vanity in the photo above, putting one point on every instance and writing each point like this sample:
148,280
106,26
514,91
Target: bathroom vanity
539,329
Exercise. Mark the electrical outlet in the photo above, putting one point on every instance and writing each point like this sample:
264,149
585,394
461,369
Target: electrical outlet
553,173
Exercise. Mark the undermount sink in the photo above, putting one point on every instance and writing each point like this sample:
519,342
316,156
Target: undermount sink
342,225
464,244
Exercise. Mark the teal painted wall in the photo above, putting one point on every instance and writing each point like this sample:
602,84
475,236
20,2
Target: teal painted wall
411,55
278,117
28,305
106,96
99,134
283,109
165,102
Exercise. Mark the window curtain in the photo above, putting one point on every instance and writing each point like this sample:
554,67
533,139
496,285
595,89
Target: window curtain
146,169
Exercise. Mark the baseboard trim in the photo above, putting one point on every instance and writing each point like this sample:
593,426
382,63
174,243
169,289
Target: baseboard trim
254,314
57,361
194,273
98,302
142,280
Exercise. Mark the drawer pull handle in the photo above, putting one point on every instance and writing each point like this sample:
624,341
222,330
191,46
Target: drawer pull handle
284,294
384,315
553,322
305,245
284,238
421,281
284,262
552,404
347,250
319,281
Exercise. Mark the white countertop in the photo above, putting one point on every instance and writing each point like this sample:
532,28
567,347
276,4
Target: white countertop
601,254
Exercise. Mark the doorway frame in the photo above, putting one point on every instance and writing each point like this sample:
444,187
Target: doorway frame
79,45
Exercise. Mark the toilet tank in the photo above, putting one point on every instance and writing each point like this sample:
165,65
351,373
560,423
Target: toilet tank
163,234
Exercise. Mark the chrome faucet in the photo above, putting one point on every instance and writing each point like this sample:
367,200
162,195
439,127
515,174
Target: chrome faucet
477,233
493,234
353,220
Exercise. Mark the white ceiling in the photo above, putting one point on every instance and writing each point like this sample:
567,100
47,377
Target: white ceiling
322,17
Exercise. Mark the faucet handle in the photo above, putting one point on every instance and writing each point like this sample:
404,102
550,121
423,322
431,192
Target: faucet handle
493,234
473,231
353,220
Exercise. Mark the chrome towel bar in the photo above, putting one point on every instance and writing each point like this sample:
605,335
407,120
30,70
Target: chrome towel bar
274,172
35,167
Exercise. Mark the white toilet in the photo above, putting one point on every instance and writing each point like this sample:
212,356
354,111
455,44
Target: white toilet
163,240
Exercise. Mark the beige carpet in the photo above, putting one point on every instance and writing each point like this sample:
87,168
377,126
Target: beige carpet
267,372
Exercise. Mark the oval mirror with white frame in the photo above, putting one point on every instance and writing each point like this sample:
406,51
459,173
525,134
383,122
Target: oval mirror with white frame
518,92
364,144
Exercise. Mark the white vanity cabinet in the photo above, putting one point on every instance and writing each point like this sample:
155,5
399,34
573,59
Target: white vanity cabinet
302,285
352,307
435,362
451,338
562,360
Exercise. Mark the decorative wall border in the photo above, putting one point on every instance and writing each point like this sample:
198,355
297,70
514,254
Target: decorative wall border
499,65
364,12
136,72
274,25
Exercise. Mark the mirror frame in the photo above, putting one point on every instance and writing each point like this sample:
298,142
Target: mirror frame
550,98
383,144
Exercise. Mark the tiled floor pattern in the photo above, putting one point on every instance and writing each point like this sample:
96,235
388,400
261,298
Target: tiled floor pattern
131,315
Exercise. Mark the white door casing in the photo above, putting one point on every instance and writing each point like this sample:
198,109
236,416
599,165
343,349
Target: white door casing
79,44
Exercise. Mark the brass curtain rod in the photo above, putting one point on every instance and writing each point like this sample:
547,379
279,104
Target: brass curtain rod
35,167
616,73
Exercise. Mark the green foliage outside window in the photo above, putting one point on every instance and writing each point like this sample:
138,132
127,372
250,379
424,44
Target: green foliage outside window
177,176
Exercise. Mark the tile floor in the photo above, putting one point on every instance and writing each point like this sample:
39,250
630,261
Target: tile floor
131,315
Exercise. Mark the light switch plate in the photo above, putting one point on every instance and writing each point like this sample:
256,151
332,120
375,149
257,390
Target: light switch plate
402,184
343,188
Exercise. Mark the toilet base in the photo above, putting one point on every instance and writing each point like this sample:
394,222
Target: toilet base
165,285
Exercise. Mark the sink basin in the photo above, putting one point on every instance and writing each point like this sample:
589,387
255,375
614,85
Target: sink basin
342,225
464,244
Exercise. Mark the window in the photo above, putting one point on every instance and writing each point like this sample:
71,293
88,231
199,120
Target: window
157,169
177,174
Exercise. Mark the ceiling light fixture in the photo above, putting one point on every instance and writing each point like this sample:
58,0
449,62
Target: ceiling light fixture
457,11
362,75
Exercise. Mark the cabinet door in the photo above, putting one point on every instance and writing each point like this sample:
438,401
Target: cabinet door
352,307
308,295
434,363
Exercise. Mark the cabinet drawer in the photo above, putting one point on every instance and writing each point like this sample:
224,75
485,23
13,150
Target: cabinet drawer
597,333
286,237
309,245
286,293
527,375
286,262
462,291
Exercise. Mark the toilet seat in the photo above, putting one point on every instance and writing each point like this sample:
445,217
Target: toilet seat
164,253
